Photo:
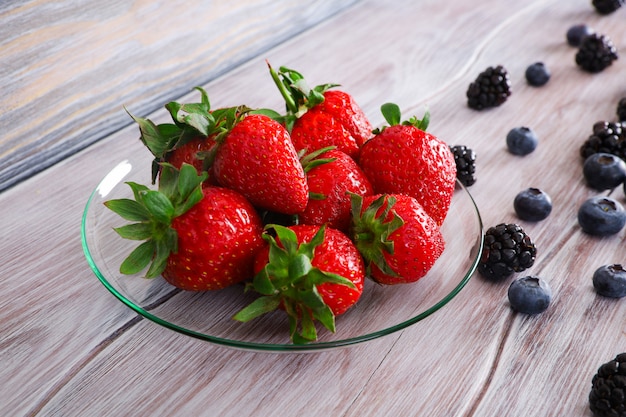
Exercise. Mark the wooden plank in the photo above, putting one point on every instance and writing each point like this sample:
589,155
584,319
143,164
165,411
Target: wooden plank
72,349
68,67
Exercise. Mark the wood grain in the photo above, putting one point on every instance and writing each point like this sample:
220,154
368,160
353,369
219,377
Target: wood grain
69,67
69,348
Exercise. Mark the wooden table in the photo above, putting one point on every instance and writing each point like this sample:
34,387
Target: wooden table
69,348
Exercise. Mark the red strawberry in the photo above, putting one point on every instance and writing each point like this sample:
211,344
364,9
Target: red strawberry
189,139
257,159
319,117
344,108
197,238
399,241
332,175
192,153
312,272
249,153
404,159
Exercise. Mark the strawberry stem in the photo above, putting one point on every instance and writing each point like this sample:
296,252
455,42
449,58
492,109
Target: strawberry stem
290,102
392,114
371,231
153,212
290,277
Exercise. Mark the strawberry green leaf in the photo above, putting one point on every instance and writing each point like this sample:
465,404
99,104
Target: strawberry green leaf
199,122
161,253
316,196
138,190
371,230
311,298
170,239
299,266
258,307
312,159
189,181
168,181
135,231
128,209
263,284
318,277
308,248
325,316
150,135
308,331
421,124
314,98
287,238
154,210
392,114
159,206
291,277
138,259
173,108
272,114
204,97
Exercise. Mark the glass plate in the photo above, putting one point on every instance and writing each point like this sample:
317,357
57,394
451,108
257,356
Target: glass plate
382,310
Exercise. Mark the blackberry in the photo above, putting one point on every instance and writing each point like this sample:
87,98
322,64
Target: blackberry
465,160
607,6
490,89
607,137
608,389
596,53
507,249
621,110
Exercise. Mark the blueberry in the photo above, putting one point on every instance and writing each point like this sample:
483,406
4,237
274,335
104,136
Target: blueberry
532,204
604,171
610,281
576,33
529,295
521,141
601,216
537,74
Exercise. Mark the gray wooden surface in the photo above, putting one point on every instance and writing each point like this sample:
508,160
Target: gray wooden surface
69,348
68,67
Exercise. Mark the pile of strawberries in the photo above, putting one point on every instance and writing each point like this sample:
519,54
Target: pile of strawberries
301,205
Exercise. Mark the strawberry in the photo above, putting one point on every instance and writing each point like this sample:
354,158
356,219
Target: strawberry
191,152
312,272
239,148
320,117
198,238
189,139
399,241
256,158
402,158
331,176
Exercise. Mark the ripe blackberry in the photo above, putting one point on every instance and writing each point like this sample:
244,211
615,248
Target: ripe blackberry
607,6
465,160
607,137
621,110
507,249
490,89
608,389
596,52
